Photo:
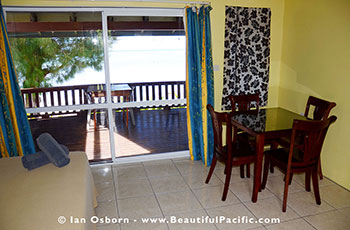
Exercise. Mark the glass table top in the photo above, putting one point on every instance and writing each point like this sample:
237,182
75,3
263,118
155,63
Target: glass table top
267,120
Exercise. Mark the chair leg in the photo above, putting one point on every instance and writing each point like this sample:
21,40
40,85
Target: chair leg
132,116
307,180
227,181
266,172
320,169
248,170
88,119
211,170
241,171
274,145
285,193
315,185
95,120
291,178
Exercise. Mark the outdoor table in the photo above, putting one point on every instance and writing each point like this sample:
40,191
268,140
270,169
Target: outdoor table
117,90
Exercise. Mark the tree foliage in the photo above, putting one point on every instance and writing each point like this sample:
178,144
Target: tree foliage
40,62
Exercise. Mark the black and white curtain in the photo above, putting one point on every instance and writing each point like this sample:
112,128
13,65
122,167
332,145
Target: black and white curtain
247,53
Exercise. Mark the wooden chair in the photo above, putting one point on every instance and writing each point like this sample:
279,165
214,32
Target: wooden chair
234,153
241,104
322,108
321,111
301,156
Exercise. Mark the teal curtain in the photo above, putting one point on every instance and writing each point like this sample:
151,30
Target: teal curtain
200,87
15,135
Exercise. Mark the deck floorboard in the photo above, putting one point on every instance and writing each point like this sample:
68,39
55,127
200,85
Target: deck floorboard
155,131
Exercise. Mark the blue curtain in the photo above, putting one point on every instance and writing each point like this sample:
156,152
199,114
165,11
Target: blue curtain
15,135
199,84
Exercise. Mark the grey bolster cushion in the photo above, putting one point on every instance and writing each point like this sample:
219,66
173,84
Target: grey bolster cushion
36,160
54,152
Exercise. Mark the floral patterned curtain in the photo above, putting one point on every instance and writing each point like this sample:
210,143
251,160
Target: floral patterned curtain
247,53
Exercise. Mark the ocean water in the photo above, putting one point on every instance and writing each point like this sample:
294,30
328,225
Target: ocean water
140,59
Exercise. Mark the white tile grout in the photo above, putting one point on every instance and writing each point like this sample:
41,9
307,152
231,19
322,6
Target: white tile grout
174,161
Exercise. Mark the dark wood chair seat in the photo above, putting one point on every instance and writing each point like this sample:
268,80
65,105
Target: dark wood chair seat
240,150
302,156
234,153
281,155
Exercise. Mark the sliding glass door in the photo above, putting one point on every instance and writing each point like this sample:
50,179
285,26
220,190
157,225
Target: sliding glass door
88,76
147,75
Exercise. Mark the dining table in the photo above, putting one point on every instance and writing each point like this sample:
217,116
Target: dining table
266,125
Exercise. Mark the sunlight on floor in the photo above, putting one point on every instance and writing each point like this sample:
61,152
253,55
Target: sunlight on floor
97,144
125,147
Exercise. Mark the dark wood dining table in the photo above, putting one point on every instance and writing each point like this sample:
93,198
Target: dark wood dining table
265,125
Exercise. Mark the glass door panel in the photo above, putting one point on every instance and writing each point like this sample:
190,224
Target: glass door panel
57,56
147,74
59,60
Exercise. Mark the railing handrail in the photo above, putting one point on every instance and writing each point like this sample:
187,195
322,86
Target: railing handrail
157,83
77,94
54,88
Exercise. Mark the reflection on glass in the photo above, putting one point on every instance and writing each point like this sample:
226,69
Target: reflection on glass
82,130
51,51
254,120
268,120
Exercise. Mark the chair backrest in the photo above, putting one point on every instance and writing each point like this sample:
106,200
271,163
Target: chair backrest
313,134
322,108
242,103
219,119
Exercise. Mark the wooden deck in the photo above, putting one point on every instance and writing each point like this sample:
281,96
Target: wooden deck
155,131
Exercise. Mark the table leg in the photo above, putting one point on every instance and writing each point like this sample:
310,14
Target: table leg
127,114
127,118
260,139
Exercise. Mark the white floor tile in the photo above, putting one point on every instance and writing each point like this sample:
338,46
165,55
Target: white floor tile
178,202
138,207
271,208
291,225
210,197
332,220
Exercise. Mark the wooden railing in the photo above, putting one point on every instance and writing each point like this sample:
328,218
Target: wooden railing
150,91
77,95
54,96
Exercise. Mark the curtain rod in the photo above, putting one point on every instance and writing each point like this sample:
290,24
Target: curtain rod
149,1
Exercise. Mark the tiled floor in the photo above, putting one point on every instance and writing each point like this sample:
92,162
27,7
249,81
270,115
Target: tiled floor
176,188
